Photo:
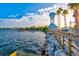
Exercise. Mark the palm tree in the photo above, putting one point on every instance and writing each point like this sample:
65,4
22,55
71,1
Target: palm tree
65,12
75,7
58,14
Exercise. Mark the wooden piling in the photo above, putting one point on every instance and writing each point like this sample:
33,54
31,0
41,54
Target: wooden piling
62,42
69,47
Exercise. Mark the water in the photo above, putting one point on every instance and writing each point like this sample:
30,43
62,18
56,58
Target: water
25,42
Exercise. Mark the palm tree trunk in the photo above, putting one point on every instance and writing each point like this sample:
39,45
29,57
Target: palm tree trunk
59,21
76,16
65,23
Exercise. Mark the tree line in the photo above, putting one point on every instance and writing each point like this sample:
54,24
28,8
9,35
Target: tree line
40,28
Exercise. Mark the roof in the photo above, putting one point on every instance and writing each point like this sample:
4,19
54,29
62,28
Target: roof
52,26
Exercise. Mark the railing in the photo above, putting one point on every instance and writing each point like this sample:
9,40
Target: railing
67,41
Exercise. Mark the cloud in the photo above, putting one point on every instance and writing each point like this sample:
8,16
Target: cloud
12,16
45,9
31,20
53,8
64,6
30,14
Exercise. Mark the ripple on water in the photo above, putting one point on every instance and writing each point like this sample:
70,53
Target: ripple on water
24,42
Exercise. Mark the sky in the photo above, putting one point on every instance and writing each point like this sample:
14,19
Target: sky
7,10
27,14
24,14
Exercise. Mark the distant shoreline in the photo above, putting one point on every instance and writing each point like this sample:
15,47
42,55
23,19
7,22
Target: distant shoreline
43,29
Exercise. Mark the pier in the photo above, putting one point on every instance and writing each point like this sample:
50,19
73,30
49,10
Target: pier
67,41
